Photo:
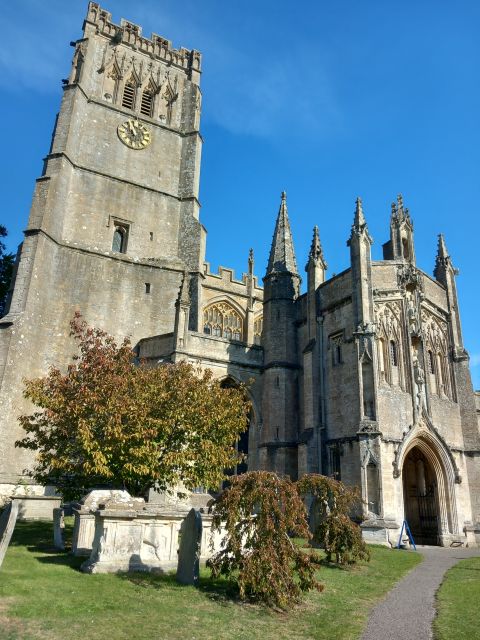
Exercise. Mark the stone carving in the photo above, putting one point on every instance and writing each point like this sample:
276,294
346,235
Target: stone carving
419,378
189,552
424,428
412,316
7,525
387,318
84,513
436,341
408,275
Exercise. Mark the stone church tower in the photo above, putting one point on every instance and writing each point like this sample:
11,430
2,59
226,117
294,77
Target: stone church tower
364,376
114,219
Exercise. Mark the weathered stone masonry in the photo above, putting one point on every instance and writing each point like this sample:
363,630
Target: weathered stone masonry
363,376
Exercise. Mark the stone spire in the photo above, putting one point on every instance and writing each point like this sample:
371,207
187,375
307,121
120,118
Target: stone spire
282,253
316,252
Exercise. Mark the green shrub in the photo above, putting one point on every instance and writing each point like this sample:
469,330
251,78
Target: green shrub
260,513
333,529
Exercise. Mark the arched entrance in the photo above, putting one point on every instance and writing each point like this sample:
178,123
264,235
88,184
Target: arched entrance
420,493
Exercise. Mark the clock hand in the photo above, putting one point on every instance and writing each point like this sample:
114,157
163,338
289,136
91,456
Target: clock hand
131,126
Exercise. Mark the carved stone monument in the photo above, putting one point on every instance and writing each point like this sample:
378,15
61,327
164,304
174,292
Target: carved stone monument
189,553
84,513
7,525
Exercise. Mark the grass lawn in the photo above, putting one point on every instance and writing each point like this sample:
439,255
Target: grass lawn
457,602
44,595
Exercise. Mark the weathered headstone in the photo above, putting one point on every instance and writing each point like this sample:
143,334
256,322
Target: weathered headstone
7,525
189,553
59,528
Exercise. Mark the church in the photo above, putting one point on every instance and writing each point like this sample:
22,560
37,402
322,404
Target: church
364,376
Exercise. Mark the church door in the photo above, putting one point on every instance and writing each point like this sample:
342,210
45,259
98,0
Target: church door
420,498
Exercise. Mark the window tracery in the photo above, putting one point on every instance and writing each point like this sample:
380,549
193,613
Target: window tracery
437,347
168,97
336,342
389,343
111,84
220,319
258,329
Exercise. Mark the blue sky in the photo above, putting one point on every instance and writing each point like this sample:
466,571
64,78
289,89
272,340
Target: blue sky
328,100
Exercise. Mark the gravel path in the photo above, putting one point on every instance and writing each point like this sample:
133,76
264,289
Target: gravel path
408,610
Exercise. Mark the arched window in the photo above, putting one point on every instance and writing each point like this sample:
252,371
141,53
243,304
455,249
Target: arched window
406,252
393,354
373,488
146,105
119,243
221,319
336,346
129,93
257,330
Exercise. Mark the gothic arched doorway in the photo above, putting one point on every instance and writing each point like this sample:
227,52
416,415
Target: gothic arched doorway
420,493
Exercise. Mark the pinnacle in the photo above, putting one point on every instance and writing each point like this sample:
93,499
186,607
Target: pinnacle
442,260
316,251
250,261
442,247
400,213
359,220
282,253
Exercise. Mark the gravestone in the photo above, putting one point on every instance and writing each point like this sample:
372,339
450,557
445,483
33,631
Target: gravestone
59,528
7,525
189,552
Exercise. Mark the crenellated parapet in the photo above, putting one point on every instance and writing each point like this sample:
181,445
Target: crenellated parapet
100,22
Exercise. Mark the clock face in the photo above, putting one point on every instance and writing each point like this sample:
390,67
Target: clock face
134,134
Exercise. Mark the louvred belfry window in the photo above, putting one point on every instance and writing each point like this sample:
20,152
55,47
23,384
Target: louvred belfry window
128,100
221,320
146,106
